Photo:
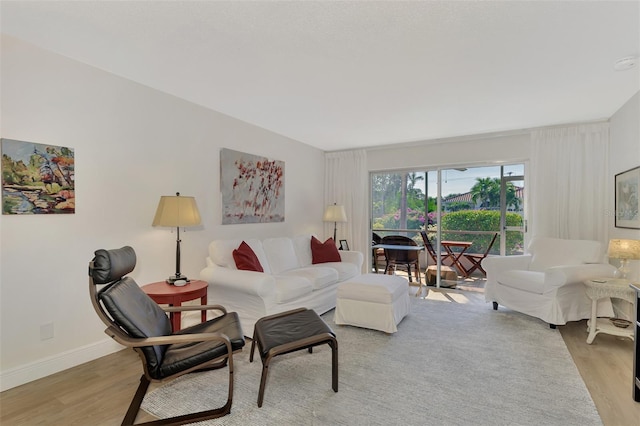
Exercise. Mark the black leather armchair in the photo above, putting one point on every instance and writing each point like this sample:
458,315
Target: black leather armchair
134,320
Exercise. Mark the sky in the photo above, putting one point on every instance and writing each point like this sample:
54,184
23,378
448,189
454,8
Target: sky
459,182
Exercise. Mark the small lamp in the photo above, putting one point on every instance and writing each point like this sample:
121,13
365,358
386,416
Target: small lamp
335,214
179,212
624,250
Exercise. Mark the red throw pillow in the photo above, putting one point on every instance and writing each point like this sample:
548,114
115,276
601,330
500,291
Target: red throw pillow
324,252
246,259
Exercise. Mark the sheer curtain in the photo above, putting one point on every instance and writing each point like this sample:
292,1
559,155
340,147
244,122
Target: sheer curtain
346,183
569,175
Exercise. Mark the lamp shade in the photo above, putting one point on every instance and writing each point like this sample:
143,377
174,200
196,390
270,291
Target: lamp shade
177,211
334,213
624,249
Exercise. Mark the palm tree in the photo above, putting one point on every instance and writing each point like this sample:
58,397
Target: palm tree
486,191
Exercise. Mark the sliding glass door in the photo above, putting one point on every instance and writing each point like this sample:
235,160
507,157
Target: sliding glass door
464,207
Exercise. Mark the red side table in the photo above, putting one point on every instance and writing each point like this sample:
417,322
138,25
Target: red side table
163,293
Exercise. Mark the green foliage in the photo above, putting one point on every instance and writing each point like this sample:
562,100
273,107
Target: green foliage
481,220
415,220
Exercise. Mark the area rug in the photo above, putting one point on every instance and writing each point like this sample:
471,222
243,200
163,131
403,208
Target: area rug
450,363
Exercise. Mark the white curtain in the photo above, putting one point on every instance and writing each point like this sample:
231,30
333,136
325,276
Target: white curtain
346,183
569,178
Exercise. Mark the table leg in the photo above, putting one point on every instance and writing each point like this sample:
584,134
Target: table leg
176,318
454,260
419,292
203,314
593,322
458,264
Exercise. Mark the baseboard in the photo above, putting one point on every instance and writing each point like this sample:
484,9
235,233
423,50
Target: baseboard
36,370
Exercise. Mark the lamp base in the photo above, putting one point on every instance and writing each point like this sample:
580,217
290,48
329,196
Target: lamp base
172,279
623,269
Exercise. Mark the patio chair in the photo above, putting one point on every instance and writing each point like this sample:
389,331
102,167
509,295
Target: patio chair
376,254
446,271
477,258
134,320
404,258
432,251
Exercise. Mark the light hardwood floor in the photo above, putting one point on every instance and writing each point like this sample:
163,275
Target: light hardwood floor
99,392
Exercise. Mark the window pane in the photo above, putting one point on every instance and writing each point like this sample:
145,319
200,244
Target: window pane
398,203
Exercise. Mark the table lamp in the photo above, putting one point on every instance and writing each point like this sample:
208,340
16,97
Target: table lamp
624,250
335,214
177,212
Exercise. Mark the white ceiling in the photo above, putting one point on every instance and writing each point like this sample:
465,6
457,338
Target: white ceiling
339,75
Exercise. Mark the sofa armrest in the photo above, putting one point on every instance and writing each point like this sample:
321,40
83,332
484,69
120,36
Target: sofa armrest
250,282
354,257
557,276
496,264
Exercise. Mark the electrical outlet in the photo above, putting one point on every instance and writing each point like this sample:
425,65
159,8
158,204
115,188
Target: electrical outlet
46,331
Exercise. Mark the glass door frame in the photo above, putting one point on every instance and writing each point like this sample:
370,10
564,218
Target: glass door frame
503,228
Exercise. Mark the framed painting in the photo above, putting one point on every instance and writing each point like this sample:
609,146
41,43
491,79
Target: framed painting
252,188
626,196
37,178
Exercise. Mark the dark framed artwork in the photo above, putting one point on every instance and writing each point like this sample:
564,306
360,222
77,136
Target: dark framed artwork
344,245
626,196
37,178
252,188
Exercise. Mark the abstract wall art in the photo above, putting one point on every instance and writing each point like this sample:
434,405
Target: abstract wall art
37,178
252,188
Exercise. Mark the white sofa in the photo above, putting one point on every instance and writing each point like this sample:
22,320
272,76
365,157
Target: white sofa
289,280
547,283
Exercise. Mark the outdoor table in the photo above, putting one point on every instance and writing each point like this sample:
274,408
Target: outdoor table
455,256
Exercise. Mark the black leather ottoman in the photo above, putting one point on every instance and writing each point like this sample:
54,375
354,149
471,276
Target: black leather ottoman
291,331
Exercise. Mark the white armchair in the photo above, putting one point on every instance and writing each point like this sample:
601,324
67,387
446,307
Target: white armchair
547,283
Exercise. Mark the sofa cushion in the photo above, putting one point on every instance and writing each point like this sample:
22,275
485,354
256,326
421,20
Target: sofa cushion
302,246
530,281
221,253
246,259
548,251
345,270
289,288
280,253
318,276
324,252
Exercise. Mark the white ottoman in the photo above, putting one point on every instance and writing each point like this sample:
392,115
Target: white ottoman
373,301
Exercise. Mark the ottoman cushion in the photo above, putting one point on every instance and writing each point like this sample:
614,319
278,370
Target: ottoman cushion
376,288
374,301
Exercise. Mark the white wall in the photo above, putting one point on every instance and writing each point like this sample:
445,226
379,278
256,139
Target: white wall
132,145
481,150
624,155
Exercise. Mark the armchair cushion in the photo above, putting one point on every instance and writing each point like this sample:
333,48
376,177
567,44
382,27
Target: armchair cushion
548,252
182,356
139,316
529,281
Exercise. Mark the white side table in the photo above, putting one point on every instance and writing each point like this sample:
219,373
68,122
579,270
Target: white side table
599,288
